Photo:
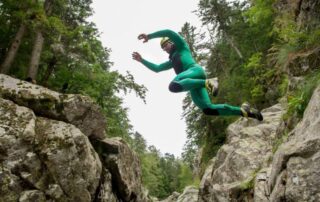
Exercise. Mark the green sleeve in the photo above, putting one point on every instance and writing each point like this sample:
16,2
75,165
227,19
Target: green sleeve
157,68
173,36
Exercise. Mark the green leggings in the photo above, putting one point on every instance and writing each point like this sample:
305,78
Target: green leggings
194,80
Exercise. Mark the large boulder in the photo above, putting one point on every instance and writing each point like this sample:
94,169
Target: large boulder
69,158
78,110
45,152
295,174
248,149
172,198
190,194
41,157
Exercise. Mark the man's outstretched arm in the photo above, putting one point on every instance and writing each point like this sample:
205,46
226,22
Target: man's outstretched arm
154,67
173,36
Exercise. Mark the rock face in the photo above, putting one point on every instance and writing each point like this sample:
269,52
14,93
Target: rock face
190,194
46,154
172,198
305,14
42,157
75,109
122,164
247,150
245,168
295,173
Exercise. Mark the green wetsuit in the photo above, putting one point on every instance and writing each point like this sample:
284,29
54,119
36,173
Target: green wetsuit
190,76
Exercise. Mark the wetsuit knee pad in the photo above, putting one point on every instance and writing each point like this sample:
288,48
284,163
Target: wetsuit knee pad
211,112
175,87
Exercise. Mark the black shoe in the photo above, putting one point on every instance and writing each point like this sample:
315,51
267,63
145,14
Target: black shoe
247,111
212,86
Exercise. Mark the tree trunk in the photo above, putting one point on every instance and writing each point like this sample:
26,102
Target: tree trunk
51,65
11,54
38,45
35,56
230,40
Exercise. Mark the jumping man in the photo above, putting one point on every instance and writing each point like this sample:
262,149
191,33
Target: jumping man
191,76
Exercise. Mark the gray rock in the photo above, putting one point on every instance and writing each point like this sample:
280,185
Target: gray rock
299,158
248,149
196,165
44,157
124,166
10,185
78,110
16,138
260,183
69,158
146,196
190,194
279,194
242,170
205,188
44,154
32,196
172,198
105,192
54,191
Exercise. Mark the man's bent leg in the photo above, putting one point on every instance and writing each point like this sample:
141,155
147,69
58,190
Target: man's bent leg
201,98
188,80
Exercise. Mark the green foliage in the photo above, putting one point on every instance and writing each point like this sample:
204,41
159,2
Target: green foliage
290,33
296,104
248,184
152,175
196,42
161,174
299,98
139,144
312,38
259,20
283,86
292,38
260,77
260,11
254,67
185,178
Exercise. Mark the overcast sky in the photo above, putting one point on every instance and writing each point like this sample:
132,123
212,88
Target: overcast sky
120,22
